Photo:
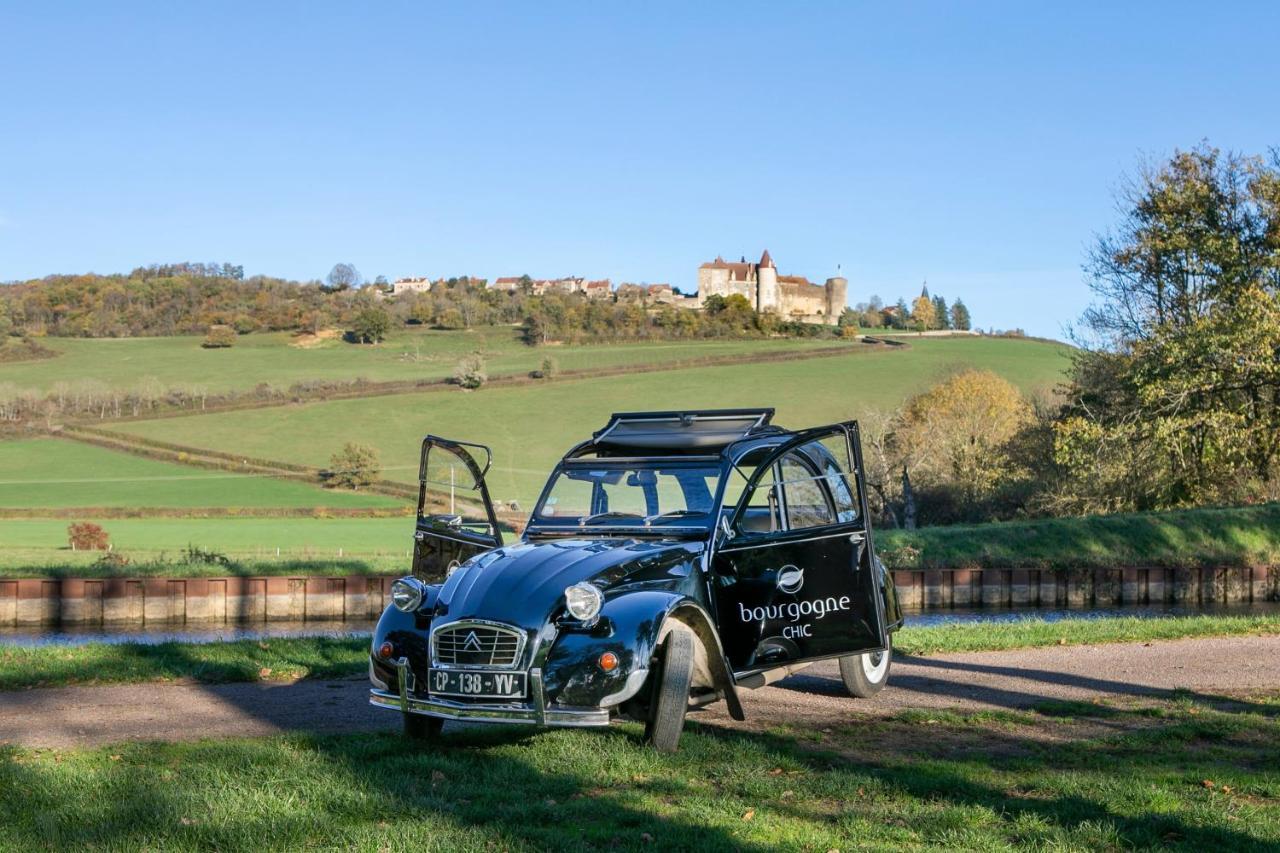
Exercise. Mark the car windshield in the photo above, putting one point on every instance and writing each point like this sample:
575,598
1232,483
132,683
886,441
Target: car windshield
604,494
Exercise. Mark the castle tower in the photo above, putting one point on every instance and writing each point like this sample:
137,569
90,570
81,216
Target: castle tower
767,294
837,298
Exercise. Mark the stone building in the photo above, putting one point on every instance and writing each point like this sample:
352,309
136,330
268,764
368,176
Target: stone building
410,285
793,297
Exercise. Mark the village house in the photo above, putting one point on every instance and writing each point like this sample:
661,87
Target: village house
410,285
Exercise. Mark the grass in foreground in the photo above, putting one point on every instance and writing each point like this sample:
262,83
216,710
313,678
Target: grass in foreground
1215,537
328,657
1182,777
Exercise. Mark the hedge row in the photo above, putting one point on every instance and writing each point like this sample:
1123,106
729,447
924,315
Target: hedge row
206,512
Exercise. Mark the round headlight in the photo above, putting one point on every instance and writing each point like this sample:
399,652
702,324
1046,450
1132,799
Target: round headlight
584,601
406,594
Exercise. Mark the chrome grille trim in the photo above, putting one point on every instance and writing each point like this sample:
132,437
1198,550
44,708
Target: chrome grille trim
500,646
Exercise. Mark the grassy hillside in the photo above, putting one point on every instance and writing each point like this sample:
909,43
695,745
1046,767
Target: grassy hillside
530,427
274,358
40,473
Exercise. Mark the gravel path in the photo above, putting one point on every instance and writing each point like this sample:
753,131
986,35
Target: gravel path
76,716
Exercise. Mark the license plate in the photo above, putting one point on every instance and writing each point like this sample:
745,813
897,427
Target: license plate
479,683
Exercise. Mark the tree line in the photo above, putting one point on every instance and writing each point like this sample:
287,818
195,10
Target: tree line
1172,398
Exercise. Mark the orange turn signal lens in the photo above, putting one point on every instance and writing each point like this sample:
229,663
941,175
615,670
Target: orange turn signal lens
608,661
386,650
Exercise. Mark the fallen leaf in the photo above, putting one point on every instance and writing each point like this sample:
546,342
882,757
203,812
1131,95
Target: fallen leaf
115,757
437,776
186,821
1062,641
1208,783
646,838
786,794
265,672
750,813
263,646
1226,789
550,802
777,771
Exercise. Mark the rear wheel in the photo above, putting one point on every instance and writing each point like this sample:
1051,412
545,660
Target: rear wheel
671,693
865,675
420,727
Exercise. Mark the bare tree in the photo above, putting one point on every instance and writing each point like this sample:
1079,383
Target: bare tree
343,277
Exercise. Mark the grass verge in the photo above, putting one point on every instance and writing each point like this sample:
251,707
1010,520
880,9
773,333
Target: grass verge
329,657
1186,777
1217,537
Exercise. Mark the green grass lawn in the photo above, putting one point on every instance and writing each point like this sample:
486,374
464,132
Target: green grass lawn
328,657
32,547
409,353
1231,536
1182,776
530,427
39,473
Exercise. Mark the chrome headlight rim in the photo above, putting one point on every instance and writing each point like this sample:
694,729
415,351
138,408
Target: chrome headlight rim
584,601
407,594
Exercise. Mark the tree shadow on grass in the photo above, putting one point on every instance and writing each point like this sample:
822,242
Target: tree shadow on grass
475,790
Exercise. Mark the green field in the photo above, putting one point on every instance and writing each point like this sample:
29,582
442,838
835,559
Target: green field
32,546
529,427
49,473
1183,775
410,353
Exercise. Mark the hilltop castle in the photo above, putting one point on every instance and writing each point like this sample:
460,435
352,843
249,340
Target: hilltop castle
793,297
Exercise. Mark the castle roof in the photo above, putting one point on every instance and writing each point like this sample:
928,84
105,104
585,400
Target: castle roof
765,260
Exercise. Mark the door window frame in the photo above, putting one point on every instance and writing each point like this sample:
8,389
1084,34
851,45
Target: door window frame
462,451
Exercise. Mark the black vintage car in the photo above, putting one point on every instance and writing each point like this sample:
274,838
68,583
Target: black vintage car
672,560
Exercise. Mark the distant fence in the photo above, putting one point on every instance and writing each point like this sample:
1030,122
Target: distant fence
51,602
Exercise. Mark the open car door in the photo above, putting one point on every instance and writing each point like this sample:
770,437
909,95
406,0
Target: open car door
456,520
794,575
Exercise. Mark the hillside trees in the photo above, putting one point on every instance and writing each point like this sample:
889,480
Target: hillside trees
1175,399
370,325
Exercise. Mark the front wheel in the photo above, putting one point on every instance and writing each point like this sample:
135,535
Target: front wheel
421,727
865,675
671,695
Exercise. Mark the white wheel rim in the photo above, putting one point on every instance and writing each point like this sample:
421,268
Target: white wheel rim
875,665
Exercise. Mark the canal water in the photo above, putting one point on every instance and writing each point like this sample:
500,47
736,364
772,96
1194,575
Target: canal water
363,628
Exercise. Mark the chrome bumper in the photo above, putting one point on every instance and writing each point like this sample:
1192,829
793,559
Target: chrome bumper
535,712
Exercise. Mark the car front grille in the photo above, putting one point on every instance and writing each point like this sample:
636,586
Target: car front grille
476,644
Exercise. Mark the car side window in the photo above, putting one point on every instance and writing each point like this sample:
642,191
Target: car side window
806,501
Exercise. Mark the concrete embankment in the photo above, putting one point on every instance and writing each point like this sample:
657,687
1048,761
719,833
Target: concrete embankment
124,602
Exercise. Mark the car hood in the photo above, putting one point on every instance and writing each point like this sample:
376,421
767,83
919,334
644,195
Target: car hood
524,584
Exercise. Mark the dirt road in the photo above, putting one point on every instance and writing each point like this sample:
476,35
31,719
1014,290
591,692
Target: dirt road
1209,669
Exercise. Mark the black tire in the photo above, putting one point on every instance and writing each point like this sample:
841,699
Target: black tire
420,727
866,675
671,692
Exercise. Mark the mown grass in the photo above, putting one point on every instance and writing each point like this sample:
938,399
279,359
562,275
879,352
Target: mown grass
154,546
408,353
1232,536
327,657
48,473
1193,778
530,427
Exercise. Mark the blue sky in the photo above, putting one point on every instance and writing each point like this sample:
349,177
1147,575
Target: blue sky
975,146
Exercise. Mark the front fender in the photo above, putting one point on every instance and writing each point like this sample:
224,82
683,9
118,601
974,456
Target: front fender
409,633
634,625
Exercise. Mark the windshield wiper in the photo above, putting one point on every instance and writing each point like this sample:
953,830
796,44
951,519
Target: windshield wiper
587,519
673,513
